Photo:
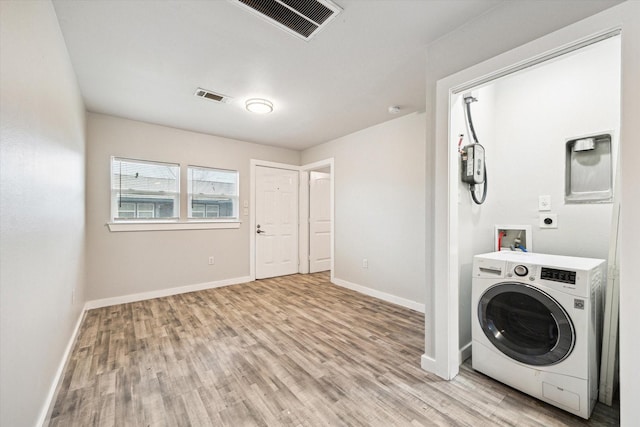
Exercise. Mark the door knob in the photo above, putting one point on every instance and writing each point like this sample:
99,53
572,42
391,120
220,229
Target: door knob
259,231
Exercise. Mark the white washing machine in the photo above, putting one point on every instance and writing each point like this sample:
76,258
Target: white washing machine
535,325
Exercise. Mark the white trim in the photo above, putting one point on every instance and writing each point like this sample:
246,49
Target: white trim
428,363
446,327
445,304
464,353
268,164
303,223
304,210
105,302
407,303
47,408
252,202
537,60
318,165
169,226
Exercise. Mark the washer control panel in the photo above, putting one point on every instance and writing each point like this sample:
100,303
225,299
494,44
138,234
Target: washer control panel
571,275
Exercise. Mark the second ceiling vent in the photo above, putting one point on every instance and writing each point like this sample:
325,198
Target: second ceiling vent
302,18
212,96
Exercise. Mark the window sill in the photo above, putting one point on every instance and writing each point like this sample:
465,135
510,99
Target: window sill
168,226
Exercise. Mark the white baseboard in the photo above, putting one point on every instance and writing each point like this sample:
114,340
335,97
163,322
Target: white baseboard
48,403
428,364
464,353
105,302
413,305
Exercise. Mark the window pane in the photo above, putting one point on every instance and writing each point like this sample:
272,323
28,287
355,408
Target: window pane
151,188
145,210
214,189
127,210
197,211
213,211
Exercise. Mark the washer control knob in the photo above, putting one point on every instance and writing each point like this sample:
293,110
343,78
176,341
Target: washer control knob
521,270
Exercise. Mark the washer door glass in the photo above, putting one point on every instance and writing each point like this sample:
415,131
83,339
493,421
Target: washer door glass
526,324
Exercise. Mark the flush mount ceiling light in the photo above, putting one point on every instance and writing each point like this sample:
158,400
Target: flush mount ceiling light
259,105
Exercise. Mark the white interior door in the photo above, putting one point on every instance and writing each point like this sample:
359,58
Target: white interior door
319,221
276,222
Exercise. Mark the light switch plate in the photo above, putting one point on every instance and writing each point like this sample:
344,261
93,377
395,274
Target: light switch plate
544,203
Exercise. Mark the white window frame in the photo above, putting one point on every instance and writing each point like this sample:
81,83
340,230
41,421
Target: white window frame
235,197
181,222
114,198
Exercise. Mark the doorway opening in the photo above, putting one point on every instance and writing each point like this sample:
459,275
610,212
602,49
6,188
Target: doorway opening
526,122
317,217
525,170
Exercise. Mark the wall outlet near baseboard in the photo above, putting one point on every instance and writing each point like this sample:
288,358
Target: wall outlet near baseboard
212,260
365,263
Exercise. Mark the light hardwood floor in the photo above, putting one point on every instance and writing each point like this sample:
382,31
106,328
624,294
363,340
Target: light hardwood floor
288,351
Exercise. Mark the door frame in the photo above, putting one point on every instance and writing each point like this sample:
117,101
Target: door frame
303,210
442,352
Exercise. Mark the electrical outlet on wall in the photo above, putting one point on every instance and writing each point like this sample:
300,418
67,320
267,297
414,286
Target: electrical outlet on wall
365,263
212,260
549,221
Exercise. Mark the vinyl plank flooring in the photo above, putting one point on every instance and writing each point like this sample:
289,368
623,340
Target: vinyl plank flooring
289,351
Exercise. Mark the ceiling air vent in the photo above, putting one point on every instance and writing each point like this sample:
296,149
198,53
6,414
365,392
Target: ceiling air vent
212,96
302,18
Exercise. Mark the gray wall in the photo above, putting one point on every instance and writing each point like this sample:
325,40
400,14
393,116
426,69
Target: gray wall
125,263
42,209
379,177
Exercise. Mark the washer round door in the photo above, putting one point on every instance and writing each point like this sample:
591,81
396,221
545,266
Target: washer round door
526,324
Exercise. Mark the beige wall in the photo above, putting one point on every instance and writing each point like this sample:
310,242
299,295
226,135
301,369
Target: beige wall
42,216
125,263
380,205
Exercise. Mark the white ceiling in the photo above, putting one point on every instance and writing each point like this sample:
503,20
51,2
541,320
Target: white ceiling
143,60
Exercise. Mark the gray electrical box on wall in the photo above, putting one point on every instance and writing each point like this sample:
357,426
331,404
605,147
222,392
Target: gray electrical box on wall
588,170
